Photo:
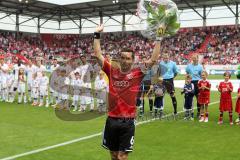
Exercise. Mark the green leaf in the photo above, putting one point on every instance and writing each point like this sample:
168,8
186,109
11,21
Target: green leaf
161,10
151,21
172,29
149,8
171,18
159,16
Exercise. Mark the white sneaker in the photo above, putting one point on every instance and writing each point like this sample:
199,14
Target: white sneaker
54,105
47,105
237,120
201,119
206,120
75,109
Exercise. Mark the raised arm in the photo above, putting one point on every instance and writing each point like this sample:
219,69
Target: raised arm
97,46
155,54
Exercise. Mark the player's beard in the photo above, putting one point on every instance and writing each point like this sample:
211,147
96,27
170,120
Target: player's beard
125,67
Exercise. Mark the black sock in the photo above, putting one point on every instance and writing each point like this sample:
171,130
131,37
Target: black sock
186,114
161,113
174,102
151,104
143,102
230,116
192,114
198,108
221,116
155,112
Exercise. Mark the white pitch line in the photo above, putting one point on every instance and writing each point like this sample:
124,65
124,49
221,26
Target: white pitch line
51,147
80,139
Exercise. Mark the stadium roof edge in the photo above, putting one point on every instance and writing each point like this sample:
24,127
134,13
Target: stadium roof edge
85,10
79,12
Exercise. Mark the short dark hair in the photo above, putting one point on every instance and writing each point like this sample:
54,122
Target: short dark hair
82,55
188,76
227,74
128,50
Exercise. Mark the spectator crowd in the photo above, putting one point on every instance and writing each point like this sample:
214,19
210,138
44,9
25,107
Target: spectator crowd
222,45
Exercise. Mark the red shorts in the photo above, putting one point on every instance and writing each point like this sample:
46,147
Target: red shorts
225,105
203,100
237,109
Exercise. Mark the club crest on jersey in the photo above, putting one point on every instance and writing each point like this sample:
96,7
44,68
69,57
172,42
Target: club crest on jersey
130,76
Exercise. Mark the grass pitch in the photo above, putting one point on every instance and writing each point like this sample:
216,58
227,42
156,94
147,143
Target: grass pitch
24,128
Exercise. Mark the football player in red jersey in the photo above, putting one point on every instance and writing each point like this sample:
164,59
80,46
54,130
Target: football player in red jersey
124,84
225,88
204,96
237,109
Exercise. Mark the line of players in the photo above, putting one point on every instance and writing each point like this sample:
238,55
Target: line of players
196,84
226,105
29,83
157,91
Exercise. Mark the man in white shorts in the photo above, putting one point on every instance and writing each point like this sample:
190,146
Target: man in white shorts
43,87
76,83
30,68
63,83
101,91
86,72
35,89
3,78
21,86
16,68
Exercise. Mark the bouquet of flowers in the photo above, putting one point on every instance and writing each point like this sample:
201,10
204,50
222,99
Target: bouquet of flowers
159,18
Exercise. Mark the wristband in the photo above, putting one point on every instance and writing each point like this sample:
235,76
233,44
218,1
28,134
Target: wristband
96,35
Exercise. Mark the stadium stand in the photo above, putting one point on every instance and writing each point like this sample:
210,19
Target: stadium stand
218,44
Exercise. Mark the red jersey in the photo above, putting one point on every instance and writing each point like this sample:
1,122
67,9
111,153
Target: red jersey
237,109
123,90
226,97
204,94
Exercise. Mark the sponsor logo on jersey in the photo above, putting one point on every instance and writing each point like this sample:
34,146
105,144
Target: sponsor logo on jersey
121,84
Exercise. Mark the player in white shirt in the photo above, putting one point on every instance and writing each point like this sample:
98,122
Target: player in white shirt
21,86
63,83
76,83
101,91
30,69
4,87
10,81
96,69
86,72
39,69
54,83
55,71
3,78
85,97
43,83
35,89
1,63
16,68
54,65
